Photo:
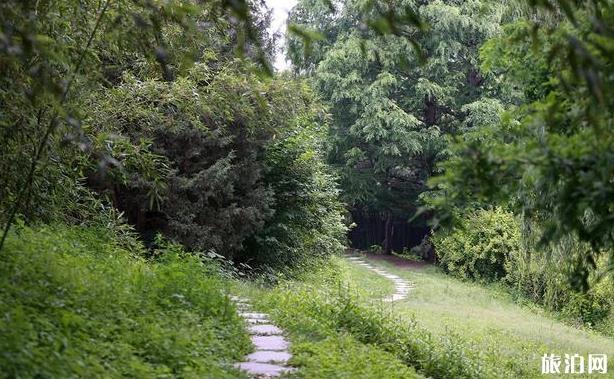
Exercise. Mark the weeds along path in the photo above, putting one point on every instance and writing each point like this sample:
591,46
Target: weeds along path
401,286
271,355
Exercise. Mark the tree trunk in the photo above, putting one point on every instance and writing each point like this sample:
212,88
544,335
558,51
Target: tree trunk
386,245
431,115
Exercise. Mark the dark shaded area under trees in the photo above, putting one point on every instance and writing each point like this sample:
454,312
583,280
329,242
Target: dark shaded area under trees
371,228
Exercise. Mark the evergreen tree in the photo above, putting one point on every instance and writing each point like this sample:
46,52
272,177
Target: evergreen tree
392,102
551,156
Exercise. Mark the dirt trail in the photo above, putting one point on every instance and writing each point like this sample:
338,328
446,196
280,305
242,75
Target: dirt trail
397,261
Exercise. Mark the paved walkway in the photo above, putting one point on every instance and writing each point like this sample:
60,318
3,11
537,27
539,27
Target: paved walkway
272,353
401,286
270,359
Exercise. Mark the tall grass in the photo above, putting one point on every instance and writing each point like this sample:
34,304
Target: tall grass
74,303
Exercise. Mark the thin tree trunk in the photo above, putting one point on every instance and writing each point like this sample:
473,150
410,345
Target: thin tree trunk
386,245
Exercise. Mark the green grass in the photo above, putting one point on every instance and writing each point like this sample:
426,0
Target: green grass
74,303
490,320
303,308
342,356
446,328
365,282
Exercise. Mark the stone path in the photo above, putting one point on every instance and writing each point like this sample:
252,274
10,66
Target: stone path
401,286
271,356
272,350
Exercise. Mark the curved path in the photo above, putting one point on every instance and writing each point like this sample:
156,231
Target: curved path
401,286
271,353
270,358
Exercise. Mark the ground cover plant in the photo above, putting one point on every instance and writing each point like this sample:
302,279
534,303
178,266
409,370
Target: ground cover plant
76,303
517,332
446,328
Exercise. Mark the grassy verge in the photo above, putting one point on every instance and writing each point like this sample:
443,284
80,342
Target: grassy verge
445,329
74,303
490,320
307,308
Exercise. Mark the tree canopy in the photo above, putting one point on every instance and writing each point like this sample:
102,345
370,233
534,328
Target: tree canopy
394,97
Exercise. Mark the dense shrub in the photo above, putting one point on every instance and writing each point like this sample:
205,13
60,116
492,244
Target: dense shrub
206,131
150,107
543,276
307,220
74,303
488,246
80,47
479,248
226,161
342,356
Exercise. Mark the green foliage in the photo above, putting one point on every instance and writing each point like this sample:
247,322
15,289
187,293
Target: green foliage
505,58
143,105
211,127
544,277
416,253
372,135
44,59
75,303
234,163
342,356
488,246
307,221
375,249
314,26
54,53
391,107
481,247
323,311
550,158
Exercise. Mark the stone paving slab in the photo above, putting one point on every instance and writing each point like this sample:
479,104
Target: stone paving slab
275,343
264,330
395,297
401,286
257,320
262,369
271,349
266,356
253,315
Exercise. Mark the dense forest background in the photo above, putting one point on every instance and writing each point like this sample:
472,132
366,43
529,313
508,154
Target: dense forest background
474,134
489,121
